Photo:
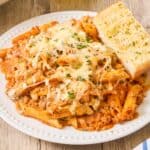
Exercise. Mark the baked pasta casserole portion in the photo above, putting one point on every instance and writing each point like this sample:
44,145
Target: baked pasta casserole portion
63,75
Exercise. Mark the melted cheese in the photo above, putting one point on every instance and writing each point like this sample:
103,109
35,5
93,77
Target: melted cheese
65,40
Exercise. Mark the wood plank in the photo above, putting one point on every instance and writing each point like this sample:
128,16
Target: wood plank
16,11
12,139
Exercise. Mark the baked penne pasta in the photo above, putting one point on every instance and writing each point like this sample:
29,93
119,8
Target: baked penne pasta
62,75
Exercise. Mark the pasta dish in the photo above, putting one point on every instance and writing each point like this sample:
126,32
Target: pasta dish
64,75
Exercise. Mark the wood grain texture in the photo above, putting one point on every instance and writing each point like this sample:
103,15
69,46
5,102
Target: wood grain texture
15,11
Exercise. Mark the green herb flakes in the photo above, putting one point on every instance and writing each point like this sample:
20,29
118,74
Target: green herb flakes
88,39
89,62
71,95
86,56
79,78
80,46
68,75
56,40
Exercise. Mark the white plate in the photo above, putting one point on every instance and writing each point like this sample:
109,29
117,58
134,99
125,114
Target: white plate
67,135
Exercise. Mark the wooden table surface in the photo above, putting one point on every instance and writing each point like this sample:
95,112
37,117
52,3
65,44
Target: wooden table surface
15,11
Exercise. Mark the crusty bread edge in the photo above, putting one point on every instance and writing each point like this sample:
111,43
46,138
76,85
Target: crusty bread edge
141,69
131,69
103,37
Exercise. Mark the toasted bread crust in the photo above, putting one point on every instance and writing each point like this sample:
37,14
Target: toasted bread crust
120,31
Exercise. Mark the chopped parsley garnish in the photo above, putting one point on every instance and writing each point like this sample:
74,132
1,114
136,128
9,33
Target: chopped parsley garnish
80,46
89,62
77,65
48,54
86,56
88,39
68,75
71,95
139,53
75,35
56,40
79,78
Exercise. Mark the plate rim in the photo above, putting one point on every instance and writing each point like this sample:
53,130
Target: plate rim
3,112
